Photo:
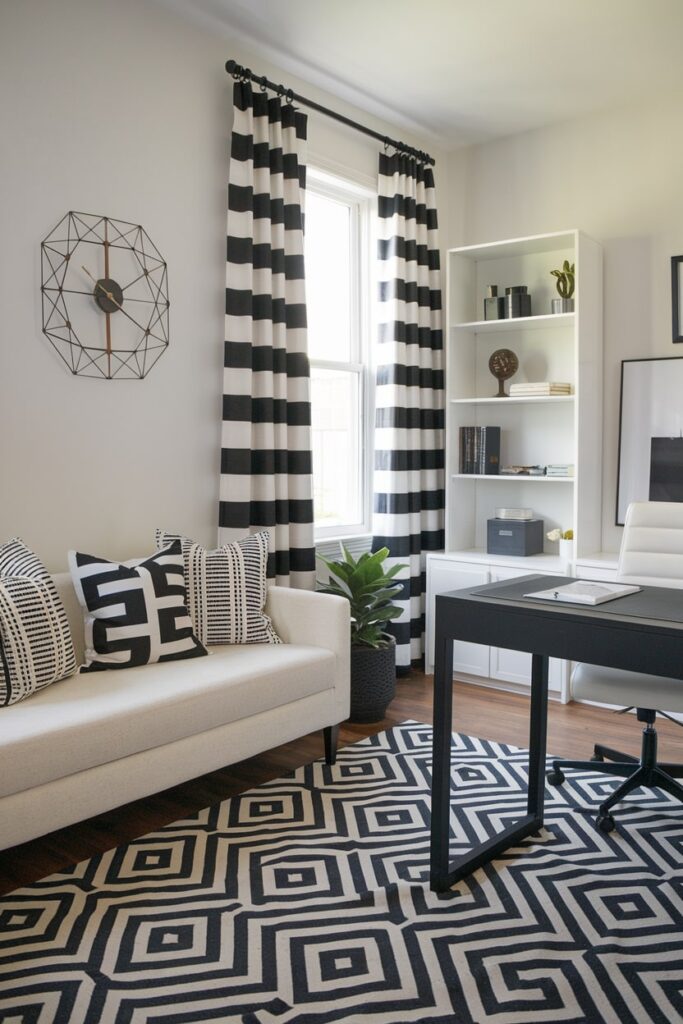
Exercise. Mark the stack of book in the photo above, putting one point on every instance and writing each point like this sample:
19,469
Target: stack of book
480,450
559,469
528,389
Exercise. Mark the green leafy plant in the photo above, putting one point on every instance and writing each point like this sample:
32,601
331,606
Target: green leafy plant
565,279
369,589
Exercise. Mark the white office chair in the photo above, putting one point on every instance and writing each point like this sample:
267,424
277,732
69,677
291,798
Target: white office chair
651,555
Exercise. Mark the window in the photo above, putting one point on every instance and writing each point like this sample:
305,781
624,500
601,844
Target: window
338,290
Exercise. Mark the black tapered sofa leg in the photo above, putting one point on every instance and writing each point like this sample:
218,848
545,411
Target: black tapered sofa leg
331,735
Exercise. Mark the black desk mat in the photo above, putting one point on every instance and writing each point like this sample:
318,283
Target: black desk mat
651,603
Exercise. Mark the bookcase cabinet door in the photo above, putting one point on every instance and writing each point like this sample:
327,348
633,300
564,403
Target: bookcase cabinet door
444,575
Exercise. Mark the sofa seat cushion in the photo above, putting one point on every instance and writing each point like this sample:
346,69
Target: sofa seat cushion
89,720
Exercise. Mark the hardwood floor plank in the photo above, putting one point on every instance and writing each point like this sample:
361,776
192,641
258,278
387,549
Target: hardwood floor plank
478,711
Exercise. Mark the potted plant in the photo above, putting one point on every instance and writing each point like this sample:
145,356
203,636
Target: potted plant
369,589
565,286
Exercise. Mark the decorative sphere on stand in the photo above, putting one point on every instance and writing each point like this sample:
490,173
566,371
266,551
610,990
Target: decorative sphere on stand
503,364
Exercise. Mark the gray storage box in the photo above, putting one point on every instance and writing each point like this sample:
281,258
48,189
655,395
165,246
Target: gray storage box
507,537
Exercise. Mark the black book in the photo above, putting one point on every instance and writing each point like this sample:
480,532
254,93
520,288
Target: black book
490,451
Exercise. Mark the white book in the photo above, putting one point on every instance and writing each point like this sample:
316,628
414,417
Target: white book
585,592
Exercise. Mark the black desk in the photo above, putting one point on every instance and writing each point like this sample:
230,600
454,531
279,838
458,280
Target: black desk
618,634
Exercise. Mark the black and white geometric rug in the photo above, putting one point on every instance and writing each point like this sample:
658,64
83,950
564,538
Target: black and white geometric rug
305,901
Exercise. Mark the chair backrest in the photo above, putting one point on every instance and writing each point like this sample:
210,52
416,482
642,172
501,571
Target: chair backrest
652,545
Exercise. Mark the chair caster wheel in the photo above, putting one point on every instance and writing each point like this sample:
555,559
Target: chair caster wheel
555,777
597,757
605,822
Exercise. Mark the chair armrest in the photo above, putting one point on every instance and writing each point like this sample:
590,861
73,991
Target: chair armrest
317,620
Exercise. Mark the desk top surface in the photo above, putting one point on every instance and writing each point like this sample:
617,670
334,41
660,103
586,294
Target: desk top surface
662,606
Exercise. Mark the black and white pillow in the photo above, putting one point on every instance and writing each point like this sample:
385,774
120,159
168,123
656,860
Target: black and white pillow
36,648
134,614
227,589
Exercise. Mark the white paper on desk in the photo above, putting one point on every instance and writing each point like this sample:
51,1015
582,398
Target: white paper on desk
585,592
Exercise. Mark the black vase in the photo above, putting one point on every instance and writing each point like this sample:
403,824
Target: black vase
373,681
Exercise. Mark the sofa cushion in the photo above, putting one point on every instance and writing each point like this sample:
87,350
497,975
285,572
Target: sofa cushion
134,614
35,640
90,720
227,589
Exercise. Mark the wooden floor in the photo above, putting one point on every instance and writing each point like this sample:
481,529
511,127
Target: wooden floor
478,711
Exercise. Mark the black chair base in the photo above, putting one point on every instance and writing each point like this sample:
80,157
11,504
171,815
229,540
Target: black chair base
636,773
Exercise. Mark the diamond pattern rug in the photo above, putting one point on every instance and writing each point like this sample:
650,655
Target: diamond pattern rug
306,901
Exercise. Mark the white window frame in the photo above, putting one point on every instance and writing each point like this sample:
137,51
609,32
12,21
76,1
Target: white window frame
362,200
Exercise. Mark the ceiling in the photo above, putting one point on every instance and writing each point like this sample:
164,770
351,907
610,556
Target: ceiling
463,71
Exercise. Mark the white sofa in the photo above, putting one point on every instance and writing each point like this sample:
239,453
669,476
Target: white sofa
98,740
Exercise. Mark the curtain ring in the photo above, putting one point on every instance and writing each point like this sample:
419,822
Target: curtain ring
246,74
387,144
264,83
280,90
290,96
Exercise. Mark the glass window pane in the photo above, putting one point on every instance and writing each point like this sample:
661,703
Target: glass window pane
327,246
337,459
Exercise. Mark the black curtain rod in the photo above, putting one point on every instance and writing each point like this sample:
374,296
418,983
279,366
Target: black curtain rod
246,74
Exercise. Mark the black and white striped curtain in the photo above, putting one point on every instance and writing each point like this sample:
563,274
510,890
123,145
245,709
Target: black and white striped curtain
408,515
266,460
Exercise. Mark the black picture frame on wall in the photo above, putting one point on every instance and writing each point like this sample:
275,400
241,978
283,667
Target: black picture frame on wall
650,460
676,296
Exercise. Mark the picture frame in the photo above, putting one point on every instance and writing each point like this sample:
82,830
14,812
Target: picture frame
650,457
676,297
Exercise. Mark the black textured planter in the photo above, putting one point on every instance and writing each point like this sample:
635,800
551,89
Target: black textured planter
373,682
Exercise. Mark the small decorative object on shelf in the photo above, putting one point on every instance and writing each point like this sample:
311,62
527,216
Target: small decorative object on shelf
565,286
494,304
517,301
566,539
503,364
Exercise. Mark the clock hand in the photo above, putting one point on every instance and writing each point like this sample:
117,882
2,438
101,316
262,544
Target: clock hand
101,287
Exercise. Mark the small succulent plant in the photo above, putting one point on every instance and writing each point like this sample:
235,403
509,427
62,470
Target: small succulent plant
565,279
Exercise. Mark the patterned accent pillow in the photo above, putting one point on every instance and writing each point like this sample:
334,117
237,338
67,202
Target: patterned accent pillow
227,589
134,615
36,648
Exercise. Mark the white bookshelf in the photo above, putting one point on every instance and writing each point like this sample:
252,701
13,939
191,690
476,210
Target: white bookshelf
535,430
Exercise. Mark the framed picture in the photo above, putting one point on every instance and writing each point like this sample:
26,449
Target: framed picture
650,432
676,297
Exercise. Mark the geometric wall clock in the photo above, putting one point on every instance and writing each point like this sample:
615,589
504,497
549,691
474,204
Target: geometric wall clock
105,296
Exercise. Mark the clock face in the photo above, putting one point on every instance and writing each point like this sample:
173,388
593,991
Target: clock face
105,296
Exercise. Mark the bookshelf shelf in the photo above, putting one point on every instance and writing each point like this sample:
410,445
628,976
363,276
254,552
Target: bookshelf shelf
514,478
522,399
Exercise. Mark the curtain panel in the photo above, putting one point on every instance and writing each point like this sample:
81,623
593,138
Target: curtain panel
266,463
408,514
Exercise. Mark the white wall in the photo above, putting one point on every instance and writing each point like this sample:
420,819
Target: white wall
617,176
121,109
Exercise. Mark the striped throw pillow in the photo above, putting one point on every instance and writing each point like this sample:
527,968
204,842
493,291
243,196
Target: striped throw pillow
36,648
227,589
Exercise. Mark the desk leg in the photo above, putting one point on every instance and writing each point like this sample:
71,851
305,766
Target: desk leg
537,736
441,759
443,875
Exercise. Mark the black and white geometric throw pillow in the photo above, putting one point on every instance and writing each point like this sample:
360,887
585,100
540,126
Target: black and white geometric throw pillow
36,648
134,615
227,589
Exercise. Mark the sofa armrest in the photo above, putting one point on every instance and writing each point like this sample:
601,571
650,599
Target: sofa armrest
318,620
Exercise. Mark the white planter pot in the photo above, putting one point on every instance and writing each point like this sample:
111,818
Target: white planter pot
567,550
